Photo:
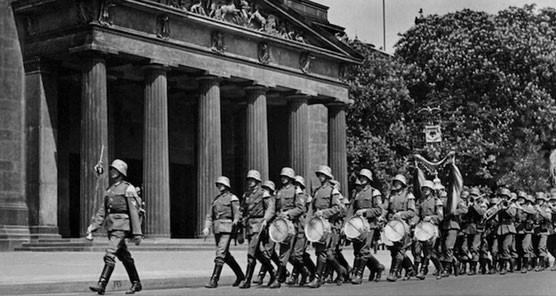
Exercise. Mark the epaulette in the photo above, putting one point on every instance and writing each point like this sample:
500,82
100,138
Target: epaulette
410,196
234,198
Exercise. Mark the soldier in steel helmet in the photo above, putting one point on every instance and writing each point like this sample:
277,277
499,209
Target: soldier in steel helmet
267,244
223,217
289,205
327,204
526,219
299,258
120,217
543,226
429,208
257,210
368,204
400,205
551,240
472,228
506,228
450,228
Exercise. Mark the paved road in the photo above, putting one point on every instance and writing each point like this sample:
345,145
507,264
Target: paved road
533,283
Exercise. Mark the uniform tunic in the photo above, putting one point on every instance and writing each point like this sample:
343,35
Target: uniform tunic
370,201
327,200
292,206
258,206
473,230
224,212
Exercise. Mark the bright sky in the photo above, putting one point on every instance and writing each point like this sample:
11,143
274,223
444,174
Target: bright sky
364,17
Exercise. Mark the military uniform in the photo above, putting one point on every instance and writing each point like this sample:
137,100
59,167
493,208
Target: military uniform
524,228
370,201
450,228
429,208
291,206
543,226
120,217
257,210
473,231
400,205
223,216
505,232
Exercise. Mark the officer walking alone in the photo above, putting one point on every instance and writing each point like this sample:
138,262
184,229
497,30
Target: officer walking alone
120,217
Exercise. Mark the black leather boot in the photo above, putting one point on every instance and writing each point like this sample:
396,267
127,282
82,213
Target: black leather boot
315,283
129,265
305,275
292,280
472,268
410,270
341,271
100,288
455,266
260,276
246,283
378,268
280,275
394,266
213,283
503,267
445,268
358,268
231,261
524,265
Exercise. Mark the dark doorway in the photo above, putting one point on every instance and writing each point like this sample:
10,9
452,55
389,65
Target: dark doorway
74,193
183,202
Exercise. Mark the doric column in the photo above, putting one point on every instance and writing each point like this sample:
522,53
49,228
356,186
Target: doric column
41,100
209,152
257,130
156,164
94,135
337,151
299,135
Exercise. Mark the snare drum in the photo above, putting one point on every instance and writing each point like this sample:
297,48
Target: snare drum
425,231
281,230
385,239
396,230
357,228
317,230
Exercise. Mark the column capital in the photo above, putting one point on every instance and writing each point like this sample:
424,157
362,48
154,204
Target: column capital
302,98
256,88
336,105
156,67
209,78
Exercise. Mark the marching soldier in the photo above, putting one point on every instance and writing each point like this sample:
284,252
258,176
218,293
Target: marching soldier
368,204
473,229
506,229
400,205
450,229
289,205
299,255
526,216
491,250
223,217
429,208
326,204
120,217
257,211
551,241
543,224
268,245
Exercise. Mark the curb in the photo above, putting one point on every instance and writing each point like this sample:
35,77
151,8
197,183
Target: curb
115,285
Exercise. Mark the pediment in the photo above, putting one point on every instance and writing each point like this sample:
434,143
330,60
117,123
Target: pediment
271,17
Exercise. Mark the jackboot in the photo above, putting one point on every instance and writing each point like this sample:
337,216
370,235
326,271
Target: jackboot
358,268
503,268
246,283
379,268
511,264
524,265
472,268
100,288
133,276
445,268
493,266
305,275
231,261
340,270
409,268
553,266
260,277
279,277
540,264
437,266
315,283
267,265
394,266
463,266
455,266
292,280
422,274
213,283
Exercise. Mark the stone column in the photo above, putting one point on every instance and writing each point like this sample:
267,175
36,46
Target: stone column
156,163
13,209
257,130
337,151
94,135
41,99
299,135
209,150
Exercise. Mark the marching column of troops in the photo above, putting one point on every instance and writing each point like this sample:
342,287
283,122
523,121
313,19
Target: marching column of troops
501,233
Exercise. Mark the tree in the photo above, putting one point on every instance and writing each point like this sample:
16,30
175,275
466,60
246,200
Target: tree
378,132
493,76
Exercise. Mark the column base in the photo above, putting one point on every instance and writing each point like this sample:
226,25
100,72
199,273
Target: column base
12,236
44,233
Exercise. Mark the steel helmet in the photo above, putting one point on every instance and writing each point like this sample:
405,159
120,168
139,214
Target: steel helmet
300,180
553,196
325,170
530,198
401,179
522,194
540,195
505,192
269,185
255,175
464,194
288,172
120,166
224,181
494,200
366,173
428,184
475,191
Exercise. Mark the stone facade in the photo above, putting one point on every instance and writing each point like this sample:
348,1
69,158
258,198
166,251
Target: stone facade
181,91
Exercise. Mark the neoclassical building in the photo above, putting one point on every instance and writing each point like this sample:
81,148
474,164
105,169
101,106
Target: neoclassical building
182,90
